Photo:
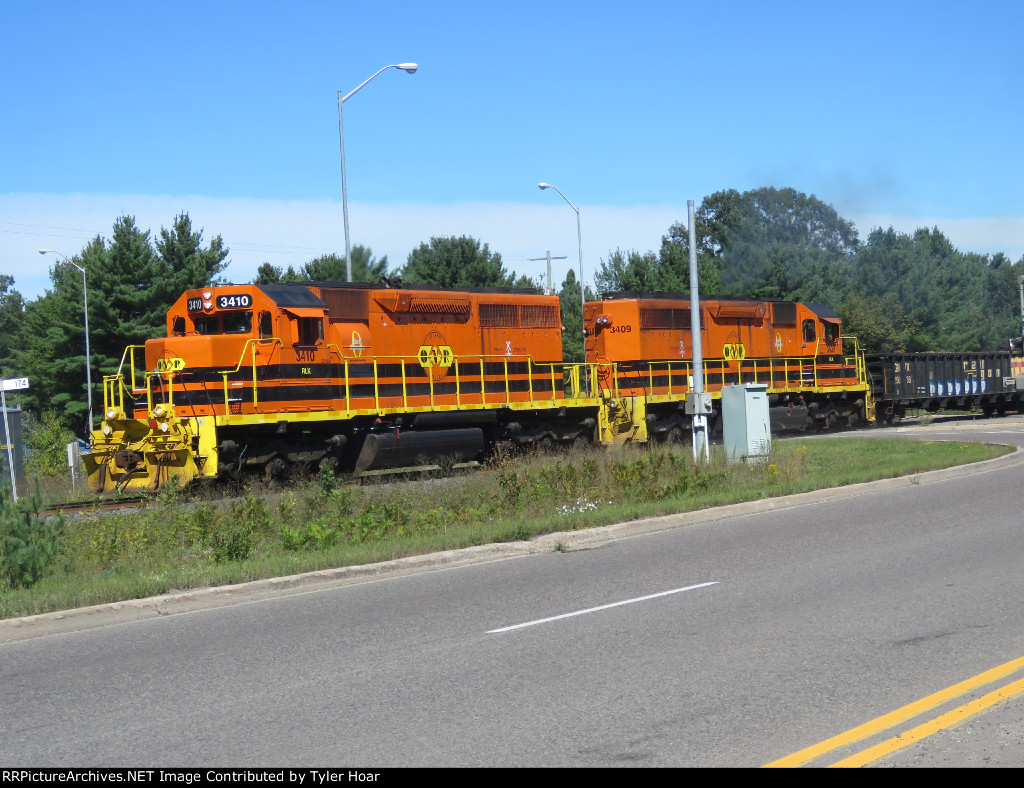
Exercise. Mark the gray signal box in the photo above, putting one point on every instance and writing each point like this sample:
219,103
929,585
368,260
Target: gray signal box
746,428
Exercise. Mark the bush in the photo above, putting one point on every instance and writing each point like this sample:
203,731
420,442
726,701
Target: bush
47,447
29,544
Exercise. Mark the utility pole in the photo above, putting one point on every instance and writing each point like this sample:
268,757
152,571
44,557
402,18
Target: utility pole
549,289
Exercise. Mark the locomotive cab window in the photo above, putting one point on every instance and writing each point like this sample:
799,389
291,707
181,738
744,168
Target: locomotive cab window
238,323
311,330
831,332
809,331
207,325
266,325
178,327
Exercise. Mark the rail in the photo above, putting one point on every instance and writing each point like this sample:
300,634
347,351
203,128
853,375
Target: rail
564,379
114,388
250,346
794,373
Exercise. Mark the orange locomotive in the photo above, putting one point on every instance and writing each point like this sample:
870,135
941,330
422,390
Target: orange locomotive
642,344
262,376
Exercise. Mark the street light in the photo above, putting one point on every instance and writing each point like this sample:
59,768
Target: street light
409,68
579,243
85,300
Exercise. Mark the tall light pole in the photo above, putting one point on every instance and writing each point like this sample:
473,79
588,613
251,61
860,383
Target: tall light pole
579,244
85,300
408,68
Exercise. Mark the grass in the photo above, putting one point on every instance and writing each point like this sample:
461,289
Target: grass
182,541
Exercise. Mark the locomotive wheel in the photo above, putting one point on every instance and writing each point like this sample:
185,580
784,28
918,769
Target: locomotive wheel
831,419
676,435
853,420
275,469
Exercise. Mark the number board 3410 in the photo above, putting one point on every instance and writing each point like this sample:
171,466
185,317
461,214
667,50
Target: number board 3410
240,301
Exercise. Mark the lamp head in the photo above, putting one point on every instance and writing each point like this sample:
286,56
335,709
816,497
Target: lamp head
544,185
408,67
44,251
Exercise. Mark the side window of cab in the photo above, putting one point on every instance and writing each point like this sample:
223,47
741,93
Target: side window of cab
311,330
266,325
809,334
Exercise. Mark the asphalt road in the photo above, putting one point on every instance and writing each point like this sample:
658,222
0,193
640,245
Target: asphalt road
729,638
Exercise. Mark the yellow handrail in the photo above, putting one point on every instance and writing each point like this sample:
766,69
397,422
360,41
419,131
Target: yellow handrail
532,368
250,344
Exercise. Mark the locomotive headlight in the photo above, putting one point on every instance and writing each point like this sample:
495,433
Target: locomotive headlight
111,414
207,304
207,295
158,410
107,430
164,426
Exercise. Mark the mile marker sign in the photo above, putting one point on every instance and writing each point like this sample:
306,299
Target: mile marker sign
11,384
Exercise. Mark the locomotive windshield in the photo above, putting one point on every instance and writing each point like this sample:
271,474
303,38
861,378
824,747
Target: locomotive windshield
230,323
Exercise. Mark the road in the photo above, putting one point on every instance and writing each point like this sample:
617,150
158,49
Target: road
737,641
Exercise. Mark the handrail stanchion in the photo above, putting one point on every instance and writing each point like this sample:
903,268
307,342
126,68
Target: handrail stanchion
405,390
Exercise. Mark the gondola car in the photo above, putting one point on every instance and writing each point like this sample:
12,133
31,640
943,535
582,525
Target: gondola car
934,382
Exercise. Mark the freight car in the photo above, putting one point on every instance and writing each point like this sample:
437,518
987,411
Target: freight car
357,376
933,382
641,345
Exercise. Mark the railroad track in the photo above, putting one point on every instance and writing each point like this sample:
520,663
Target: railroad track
97,505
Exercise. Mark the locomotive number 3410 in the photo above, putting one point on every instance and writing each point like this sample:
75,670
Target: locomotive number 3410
234,301
239,301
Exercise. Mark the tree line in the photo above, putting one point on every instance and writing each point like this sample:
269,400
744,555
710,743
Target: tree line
895,291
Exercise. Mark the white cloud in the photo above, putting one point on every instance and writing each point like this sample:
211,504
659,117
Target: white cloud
290,233
980,235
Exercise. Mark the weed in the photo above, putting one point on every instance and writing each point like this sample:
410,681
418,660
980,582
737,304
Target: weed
518,532
511,486
316,535
232,543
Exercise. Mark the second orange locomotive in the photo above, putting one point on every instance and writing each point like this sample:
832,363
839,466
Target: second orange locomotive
642,346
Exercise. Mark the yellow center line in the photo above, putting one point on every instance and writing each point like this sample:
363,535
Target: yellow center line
947,720
896,717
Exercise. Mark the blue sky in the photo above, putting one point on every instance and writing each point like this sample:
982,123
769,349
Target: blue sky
897,113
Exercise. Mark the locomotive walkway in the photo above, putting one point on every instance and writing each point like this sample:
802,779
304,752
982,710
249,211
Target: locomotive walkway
65,621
